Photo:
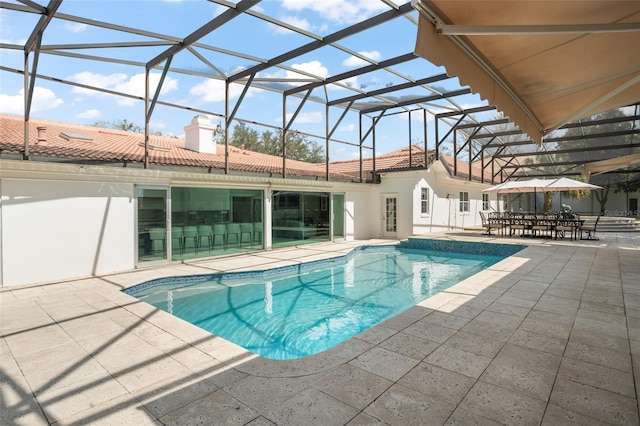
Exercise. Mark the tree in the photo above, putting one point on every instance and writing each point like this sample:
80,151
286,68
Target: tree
594,155
601,196
548,202
298,147
245,137
631,184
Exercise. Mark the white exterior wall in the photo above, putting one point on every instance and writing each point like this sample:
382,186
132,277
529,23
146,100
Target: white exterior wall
357,205
62,222
617,204
401,186
54,230
444,201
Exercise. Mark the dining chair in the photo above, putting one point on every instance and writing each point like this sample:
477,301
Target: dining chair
590,229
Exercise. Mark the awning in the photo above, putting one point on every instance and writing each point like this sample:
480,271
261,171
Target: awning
542,63
604,166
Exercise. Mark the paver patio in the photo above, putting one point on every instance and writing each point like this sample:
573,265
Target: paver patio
548,336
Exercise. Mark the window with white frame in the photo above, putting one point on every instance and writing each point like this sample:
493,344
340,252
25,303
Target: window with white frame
424,200
485,201
464,202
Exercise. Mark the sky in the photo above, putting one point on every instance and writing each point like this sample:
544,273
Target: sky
254,38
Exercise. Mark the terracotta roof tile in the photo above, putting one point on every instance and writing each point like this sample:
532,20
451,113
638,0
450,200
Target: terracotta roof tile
107,145
399,160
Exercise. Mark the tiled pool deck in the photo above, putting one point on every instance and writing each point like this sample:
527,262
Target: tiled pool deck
548,336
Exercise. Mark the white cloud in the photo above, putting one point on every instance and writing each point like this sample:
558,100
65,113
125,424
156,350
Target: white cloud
347,128
314,67
75,27
292,20
211,90
120,82
43,99
338,11
354,61
89,114
306,117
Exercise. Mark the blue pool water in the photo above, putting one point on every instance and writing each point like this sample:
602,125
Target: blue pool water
295,312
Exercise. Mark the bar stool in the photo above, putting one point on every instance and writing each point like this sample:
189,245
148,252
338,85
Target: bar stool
157,237
190,235
257,229
205,231
233,229
177,240
219,229
246,229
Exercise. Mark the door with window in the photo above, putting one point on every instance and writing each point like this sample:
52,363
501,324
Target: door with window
152,225
389,216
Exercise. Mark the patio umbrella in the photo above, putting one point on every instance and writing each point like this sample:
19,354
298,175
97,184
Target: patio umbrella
531,185
566,184
515,186
541,185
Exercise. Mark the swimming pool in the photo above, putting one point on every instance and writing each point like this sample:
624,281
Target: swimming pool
293,312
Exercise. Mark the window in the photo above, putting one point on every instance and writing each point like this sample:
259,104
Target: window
424,200
464,202
505,203
485,201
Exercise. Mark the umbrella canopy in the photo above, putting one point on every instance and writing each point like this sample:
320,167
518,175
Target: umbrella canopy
566,184
541,185
514,186
531,185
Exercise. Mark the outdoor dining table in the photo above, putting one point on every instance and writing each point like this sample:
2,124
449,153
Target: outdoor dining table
536,225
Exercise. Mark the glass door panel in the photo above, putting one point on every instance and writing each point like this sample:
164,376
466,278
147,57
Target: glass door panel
389,215
338,216
152,224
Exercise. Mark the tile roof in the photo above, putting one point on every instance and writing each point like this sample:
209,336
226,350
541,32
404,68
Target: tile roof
395,160
463,169
399,160
95,144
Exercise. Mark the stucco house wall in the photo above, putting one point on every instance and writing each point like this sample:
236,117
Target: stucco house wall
62,221
61,229
444,201
617,203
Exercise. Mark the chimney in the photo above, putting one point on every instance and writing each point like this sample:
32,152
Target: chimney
199,135
42,134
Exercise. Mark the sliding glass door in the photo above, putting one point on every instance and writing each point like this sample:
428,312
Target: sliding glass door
152,221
